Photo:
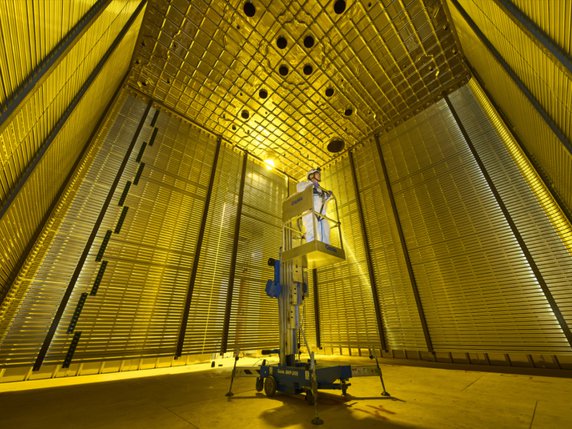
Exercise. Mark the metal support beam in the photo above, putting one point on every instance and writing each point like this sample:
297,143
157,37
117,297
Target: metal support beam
60,311
316,307
404,249
524,248
197,255
545,43
232,274
367,247
29,246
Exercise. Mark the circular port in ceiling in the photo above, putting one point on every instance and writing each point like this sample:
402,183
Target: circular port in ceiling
245,114
281,42
349,111
263,93
329,92
249,9
233,127
309,41
308,69
336,145
283,70
339,6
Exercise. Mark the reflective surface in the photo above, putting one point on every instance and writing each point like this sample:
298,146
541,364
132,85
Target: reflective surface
295,75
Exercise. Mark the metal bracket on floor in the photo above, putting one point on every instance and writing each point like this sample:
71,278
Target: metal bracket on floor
229,393
372,355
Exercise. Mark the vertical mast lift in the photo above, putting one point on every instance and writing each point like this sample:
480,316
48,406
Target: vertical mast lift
290,287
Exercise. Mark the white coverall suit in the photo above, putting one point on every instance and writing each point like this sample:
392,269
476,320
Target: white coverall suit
321,199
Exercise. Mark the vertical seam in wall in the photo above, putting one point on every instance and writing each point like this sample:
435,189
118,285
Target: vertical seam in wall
316,307
232,273
367,247
197,255
404,249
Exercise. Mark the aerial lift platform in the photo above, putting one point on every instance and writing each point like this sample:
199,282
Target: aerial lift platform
290,287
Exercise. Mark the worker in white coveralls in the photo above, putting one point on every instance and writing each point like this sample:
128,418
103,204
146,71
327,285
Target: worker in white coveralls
321,199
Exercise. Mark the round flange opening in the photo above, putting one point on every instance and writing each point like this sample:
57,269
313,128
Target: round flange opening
281,42
339,6
309,41
249,9
336,145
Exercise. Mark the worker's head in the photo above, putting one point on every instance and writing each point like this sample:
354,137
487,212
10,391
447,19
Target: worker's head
314,174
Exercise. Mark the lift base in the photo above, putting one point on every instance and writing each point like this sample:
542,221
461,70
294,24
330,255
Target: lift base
297,379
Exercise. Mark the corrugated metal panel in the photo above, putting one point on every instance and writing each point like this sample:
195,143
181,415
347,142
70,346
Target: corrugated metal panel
29,309
477,290
547,81
553,17
30,30
138,307
545,78
345,295
29,127
254,315
399,311
207,311
546,231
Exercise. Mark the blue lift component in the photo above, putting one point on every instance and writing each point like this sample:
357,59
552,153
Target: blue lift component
291,376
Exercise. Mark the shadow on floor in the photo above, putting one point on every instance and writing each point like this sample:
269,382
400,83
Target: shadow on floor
332,409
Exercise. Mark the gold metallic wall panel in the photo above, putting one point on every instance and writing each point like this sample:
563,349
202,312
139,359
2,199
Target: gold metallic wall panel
29,309
254,315
22,138
554,17
208,305
548,81
30,30
477,289
402,325
26,130
544,228
347,315
533,132
544,78
139,304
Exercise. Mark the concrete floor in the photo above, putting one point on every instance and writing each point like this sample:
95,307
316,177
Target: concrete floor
421,398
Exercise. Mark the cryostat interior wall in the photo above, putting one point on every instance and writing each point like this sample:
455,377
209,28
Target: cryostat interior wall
454,282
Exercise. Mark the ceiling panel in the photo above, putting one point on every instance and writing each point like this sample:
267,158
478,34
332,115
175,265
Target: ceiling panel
283,79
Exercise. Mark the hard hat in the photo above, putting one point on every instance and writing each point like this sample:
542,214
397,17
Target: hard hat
312,172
